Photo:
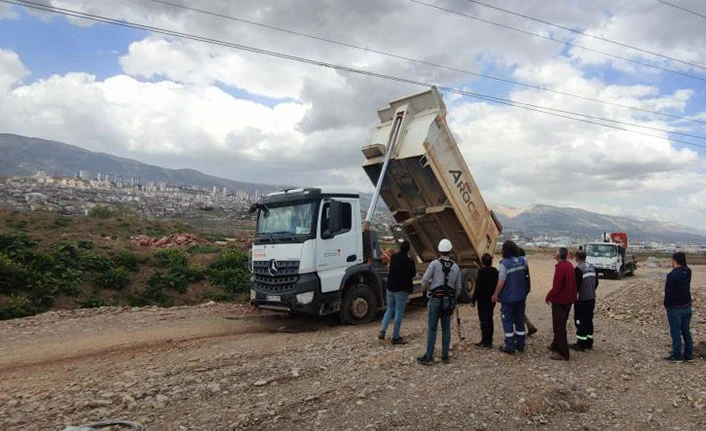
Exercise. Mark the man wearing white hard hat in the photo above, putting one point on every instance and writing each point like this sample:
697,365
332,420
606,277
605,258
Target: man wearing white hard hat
442,281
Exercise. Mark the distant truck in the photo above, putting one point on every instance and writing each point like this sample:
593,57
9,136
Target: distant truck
314,254
610,256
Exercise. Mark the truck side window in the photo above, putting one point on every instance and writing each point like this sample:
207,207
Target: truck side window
346,218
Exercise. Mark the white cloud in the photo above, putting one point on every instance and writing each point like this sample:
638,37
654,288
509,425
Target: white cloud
11,69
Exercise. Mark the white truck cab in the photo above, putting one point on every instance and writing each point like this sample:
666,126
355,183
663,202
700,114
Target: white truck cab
308,244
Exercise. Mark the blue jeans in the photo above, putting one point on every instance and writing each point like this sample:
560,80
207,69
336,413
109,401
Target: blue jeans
679,319
434,308
513,318
396,302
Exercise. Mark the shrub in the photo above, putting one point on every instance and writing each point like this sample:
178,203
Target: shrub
14,277
12,307
100,212
230,271
161,281
174,259
90,302
114,278
128,259
92,261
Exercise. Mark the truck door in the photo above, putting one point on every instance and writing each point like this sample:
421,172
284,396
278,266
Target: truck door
337,247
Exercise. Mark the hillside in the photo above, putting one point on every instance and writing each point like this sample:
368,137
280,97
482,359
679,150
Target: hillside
21,156
550,220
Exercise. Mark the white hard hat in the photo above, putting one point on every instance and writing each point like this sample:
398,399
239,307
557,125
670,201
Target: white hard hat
445,246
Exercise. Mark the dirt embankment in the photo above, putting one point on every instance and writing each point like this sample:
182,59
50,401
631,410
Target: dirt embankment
223,367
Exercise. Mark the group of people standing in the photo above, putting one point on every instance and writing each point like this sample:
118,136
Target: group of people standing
510,285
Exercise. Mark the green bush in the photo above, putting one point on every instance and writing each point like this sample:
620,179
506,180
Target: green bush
114,278
14,277
100,212
90,302
230,271
17,246
173,258
92,261
12,307
161,281
62,222
128,259
137,301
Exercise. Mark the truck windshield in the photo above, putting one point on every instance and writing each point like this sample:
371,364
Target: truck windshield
601,250
286,221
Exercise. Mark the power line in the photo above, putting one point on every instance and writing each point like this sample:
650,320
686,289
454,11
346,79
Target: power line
624,45
683,8
509,27
529,107
424,62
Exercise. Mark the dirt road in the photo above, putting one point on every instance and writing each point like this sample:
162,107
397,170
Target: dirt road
225,366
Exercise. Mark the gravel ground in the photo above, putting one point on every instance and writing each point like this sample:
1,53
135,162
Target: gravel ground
228,367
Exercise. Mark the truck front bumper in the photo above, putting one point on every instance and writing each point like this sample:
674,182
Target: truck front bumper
306,299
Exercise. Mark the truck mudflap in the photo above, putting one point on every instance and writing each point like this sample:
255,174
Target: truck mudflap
305,299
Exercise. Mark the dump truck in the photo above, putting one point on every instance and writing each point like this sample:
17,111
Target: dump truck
610,256
313,252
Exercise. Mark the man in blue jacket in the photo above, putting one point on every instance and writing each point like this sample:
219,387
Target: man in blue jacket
677,301
511,292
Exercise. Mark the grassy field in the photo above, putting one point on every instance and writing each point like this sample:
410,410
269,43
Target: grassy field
52,261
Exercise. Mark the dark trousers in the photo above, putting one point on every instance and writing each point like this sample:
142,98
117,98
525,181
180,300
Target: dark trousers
560,315
485,315
583,318
679,319
513,319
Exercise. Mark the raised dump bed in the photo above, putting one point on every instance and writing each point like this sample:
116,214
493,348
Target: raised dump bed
427,185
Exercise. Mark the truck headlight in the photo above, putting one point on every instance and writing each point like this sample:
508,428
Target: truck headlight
305,298
253,295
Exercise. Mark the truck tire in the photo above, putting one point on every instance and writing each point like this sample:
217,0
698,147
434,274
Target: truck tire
359,305
619,273
468,280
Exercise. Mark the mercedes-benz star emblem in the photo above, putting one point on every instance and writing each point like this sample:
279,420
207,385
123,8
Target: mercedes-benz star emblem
273,267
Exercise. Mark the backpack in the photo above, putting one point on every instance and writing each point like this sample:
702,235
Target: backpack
448,301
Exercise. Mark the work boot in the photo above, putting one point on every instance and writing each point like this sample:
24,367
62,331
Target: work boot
424,360
507,350
578,347
381,335
557,357
399,340
672,358
445,360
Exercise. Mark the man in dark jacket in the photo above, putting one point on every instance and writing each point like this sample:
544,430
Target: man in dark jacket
677,301
486,281
561,296
586,285
399,286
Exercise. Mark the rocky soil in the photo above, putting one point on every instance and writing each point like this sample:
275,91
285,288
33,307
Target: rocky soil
228,367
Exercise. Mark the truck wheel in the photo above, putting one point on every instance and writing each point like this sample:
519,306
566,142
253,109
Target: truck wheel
359,305
468,280
619,274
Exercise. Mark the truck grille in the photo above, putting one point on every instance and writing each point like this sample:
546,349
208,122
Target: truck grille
282,278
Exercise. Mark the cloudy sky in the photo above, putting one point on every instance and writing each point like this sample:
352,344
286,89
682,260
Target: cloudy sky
180,103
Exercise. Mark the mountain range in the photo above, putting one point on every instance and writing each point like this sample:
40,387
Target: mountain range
539,219
24,156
